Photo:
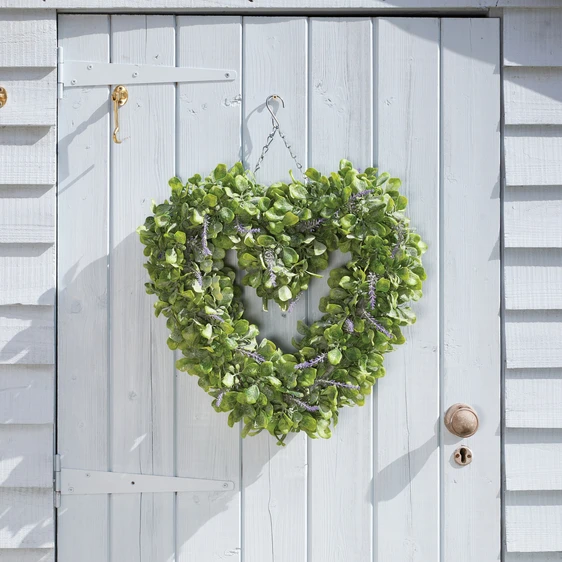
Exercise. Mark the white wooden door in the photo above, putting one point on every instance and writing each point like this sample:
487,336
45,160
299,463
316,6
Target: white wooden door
420,98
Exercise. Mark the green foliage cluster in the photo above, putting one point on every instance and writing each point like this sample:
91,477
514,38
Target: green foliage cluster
283,235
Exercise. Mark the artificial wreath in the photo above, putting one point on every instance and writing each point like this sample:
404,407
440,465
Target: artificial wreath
283,235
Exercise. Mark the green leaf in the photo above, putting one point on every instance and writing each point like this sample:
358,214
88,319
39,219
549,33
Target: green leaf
285,293
252,394
210,200
180,237
228,380
313,174
319,248
226,215
290,219
334,356
298,191
220,171
207,331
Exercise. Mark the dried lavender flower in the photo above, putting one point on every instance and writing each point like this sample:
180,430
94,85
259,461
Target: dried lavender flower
252,354
372,289
310,225
325,382
216,317
377,325
206,251
292,304
302,404
311,362
270,261
199,277
349,326
243,230
359,194
399,241
220,397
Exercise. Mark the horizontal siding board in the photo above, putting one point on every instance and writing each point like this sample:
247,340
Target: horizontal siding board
28,555
533,557
26,456
27,155
533,521
26,335
28,274
533,279
533,398
533,96
26,518
533,340
532,217
28,38
28,214
31,99
26,394
532,37
533,155
533,459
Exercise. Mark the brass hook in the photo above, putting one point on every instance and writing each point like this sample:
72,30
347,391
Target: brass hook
274,120
120,97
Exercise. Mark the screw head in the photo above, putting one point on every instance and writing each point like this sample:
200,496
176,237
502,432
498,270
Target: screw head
135,74
225,485
73,82
90,66
227,75
71,489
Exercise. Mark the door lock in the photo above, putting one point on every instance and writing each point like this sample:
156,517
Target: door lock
461,420
463,455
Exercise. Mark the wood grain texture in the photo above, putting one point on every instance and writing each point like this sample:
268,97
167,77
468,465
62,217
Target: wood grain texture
141,365
406,452
533,521
533,279
533,398
27,518
532,37
28,274
532,459
28,214
32,97
28,555
341,125
206,446
532,217
532,96
275,488
533,155
470,328
26,394
82,312
26,456
28,38
27,335
532,340
27,155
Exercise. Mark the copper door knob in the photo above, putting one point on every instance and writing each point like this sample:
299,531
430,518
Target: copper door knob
461,420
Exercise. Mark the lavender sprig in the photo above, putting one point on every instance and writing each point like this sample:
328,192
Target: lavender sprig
349,325
292,304
302,404
311,362
243,230
216,317
377,325
206,251
354,196
220,397
270,261
310,225
326,382
399,240
252,354
372,290
199,277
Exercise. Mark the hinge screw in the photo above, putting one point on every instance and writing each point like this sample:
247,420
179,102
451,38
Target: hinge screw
71,490
90,66
73,82
135,74
227,75
225,485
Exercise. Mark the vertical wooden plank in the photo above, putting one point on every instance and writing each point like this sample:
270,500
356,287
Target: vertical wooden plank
470,148
341,117
82,290
407,401
208,132
275,62
141,365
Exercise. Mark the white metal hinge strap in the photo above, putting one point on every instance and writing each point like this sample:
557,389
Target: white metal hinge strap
83,73
79,482
56,478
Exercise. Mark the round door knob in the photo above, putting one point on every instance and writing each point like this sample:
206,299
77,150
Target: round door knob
461,420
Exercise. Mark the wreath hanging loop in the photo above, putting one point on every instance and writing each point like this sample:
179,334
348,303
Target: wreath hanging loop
282,235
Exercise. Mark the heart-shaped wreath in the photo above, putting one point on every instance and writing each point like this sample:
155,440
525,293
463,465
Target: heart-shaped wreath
283,235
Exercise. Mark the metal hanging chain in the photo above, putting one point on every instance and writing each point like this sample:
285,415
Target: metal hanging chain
277,129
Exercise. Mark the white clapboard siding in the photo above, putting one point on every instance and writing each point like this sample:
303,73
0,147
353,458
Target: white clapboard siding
406,53
533,398
27,555
28,214
533,459
26,456
533,96
275,63
28,274
30,99
533,279
533,520
213,42
27,518
28,38
533,155
27,334
533,340
532,557
532,38
27,155
532,217
26,394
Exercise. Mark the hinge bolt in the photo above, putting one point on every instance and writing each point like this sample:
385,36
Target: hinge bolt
70,489
73,82
135,74
225,485
227,75
90,66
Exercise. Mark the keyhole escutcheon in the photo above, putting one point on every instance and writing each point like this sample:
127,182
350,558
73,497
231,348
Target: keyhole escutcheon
463,455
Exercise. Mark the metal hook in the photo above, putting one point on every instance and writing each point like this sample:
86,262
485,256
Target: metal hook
274,120
120,97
